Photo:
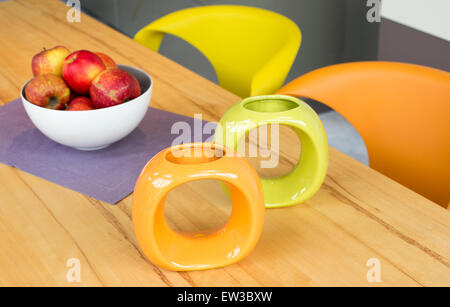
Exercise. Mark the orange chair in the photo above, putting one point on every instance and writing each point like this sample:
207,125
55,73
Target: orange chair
402,112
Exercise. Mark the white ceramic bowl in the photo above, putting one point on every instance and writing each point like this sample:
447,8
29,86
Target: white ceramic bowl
93,129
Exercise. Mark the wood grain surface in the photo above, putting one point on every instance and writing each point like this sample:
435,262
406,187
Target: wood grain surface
358,214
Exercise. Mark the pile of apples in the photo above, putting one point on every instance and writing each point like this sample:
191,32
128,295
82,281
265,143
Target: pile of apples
81,80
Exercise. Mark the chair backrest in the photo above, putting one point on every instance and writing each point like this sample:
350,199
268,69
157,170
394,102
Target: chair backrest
251,49
402,112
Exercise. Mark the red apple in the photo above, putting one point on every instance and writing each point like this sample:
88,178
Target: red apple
109,63
112,87
80,68
48,91
73,96
49,61
80,104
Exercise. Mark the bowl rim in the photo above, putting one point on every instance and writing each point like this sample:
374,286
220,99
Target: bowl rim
122,105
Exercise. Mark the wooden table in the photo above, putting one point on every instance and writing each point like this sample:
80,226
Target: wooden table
357,215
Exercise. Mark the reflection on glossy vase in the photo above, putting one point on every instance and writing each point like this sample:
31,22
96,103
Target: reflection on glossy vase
200,250
307,176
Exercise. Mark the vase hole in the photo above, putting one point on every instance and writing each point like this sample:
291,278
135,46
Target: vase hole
270,105
189,210
273,150
194,153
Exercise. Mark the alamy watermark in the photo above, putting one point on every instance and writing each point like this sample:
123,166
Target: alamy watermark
374,13
258,145
74,13
74,272
374,273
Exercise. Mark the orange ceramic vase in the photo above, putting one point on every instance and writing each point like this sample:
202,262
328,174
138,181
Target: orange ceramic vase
197,251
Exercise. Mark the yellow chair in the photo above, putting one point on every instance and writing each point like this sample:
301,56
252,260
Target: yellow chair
251,49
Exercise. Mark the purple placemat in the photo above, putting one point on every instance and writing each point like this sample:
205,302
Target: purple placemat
108,174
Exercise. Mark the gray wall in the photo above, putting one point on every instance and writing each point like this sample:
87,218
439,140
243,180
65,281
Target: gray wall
419,34
333,30
401,43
